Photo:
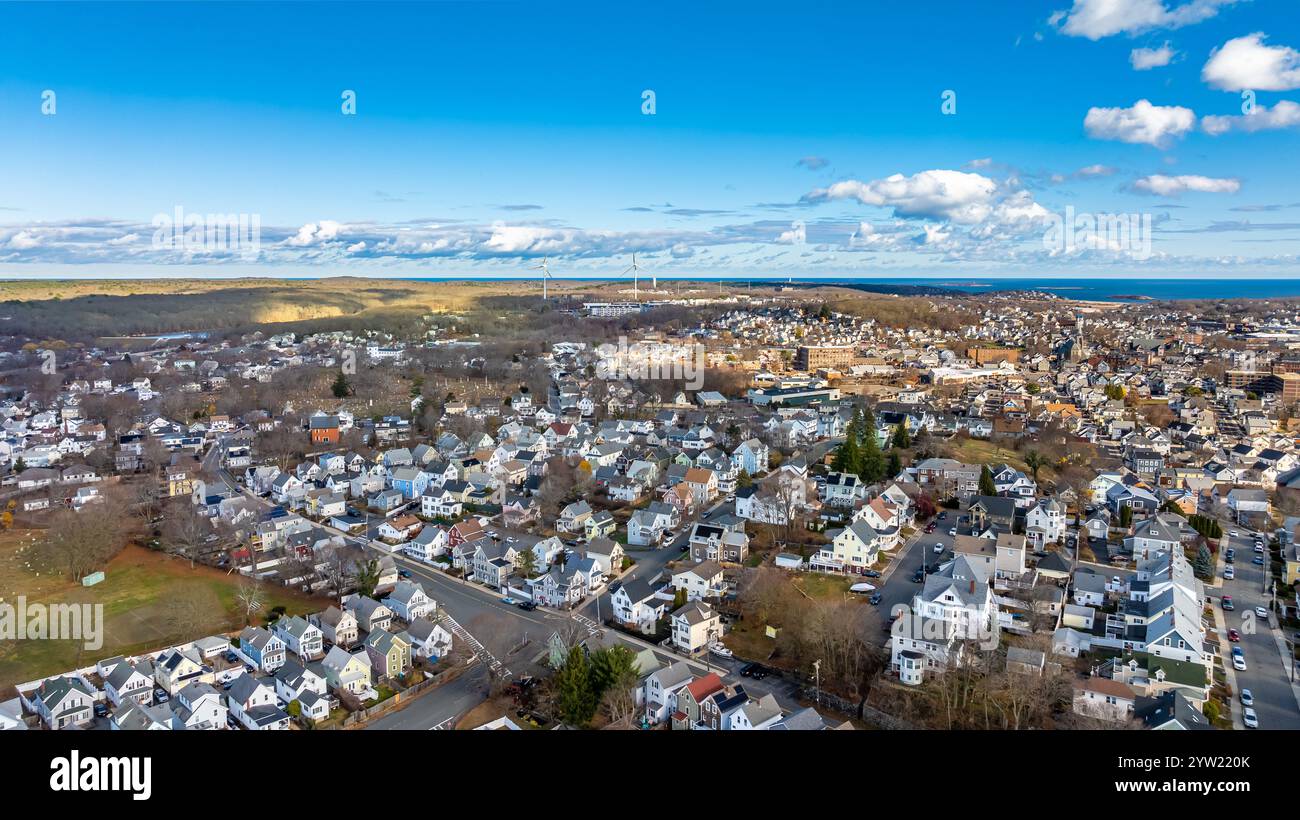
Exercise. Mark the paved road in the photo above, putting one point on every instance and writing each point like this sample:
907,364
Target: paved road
898,587
651,562
441,707
1266,672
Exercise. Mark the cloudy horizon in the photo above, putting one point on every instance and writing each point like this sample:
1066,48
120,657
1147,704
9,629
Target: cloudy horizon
397,141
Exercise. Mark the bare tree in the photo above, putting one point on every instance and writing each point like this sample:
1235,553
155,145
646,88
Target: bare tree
250,597
187,611
78,543
185,530
335,567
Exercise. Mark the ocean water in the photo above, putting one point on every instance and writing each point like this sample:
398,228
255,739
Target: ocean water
1096,290
1114,290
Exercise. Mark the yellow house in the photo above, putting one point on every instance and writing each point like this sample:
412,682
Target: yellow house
179,481
1291,561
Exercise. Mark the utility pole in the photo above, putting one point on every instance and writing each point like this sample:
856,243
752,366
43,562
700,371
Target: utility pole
817,676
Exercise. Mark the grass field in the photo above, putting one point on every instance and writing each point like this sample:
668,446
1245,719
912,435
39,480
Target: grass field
138,596
978,451
821,587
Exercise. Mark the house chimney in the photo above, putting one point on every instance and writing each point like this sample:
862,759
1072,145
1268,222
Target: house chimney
972,586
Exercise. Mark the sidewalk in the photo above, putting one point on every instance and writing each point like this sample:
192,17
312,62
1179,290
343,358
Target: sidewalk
1288,661
1225,653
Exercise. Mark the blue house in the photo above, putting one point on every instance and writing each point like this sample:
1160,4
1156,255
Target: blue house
409,481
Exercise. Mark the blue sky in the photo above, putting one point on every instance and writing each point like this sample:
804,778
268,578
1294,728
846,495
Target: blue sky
804,140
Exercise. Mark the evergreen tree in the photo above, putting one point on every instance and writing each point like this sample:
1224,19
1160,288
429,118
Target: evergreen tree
848,456
901,439
1125,515
367,577
1034,461
1204,562
872,464
526,563
609,665
986,481
341,388
895,465
577,700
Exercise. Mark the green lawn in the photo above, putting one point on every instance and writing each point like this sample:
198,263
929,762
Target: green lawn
822,587
139,596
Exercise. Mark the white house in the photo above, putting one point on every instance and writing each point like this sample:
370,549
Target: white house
1045,523
300,637
252,702
409,601
695,626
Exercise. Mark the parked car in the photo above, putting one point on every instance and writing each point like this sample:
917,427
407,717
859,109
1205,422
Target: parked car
938,548
1259,547
101,710
719,650
231,657
1261,612
1238,659
871,573
1227,603
1249,718
1234,635
231,723
161,696
1247,699
1229,573
527,606
404,573
918,576
1258,560
874,599
952,533
753,670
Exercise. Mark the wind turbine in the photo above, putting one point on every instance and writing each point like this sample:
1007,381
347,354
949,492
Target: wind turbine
546,274
636,270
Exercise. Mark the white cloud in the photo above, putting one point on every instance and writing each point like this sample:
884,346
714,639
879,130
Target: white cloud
1144,59
1090,171
1285,114
313,233
944,194
1162,185
935,235
797,235
1144,123
1246,63
1096,19
24,240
